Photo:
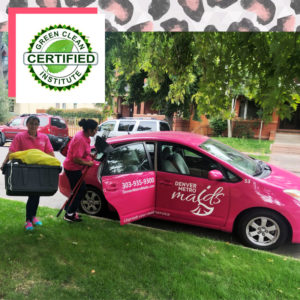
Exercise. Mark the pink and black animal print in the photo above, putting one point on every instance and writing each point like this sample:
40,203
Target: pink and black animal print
185,15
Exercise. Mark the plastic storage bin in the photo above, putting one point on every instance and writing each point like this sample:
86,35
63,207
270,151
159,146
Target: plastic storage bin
26,180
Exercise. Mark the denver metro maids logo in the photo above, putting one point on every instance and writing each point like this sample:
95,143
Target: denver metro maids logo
60,57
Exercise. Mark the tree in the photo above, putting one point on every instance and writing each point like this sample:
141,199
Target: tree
209,70
4,110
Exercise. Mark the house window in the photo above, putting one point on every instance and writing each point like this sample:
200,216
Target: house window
248,110
74,105
57,105
64,106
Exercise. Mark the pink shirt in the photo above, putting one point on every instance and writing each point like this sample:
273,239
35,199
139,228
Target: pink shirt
79,147
24,141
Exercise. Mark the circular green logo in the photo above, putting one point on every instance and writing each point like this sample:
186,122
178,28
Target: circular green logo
60,57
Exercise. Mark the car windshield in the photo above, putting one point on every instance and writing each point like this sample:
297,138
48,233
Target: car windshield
233,157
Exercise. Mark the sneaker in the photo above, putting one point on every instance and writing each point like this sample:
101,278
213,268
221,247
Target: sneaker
36,221
28,225
72,218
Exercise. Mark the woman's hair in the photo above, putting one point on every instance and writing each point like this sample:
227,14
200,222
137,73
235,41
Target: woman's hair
32,117
40,3
88,124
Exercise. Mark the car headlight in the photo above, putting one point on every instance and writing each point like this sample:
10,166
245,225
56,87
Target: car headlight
294,193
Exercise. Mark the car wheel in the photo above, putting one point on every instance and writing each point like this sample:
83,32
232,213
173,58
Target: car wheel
2,139
263,229
93,202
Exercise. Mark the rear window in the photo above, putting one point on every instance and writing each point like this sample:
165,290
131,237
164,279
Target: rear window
147,126
44,121
59,123
108,126
126,125
163,126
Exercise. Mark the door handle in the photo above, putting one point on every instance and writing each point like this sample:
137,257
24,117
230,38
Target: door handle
112,187
166,182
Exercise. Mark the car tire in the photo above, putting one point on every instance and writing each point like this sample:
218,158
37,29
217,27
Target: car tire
2,139
263,229
93,203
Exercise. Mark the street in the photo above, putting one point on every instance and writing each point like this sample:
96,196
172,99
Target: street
57,200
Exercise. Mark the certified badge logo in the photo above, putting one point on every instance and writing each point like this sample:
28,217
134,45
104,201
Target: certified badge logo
60,57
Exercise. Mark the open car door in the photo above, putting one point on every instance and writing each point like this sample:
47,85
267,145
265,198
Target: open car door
128,182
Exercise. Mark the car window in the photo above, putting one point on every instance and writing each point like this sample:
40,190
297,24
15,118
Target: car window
108,126
127,159
59,123
43,120
16,122
175,158
163,126
233,157
147,126
126,125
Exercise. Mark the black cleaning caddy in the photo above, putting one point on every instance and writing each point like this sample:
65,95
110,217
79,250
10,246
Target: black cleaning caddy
25,180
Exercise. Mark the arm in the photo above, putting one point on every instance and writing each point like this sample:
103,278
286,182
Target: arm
80,161
6,159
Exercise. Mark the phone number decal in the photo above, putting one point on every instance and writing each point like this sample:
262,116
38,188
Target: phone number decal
137,183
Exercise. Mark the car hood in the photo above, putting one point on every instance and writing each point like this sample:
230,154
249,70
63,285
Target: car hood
282,178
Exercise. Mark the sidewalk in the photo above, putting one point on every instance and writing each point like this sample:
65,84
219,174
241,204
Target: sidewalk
285,152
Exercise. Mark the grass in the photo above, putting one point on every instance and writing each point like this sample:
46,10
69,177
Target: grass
247,145
99,259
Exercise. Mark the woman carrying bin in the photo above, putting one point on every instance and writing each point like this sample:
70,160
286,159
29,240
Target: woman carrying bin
30,139
78,158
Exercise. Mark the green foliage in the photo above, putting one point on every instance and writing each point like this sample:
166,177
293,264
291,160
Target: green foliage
241,130
5,38
4,103
218,126
76,113
206,70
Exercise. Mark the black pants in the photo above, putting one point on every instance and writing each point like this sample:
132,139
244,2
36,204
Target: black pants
74,177
31,207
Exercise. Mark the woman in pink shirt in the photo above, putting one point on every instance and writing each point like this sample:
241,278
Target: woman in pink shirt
31,139
78,157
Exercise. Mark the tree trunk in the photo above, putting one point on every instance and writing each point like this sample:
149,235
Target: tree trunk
229,130
260,129
229,123
169,119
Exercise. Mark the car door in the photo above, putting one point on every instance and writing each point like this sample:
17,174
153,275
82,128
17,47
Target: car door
58,127
14,127
128,182
125,127
184,192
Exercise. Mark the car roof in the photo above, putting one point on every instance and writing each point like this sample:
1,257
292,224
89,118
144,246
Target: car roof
181,137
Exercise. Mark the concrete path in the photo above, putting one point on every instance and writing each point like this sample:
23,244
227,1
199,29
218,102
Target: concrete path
285,152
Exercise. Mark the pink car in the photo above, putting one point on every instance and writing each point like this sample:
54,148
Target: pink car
193,179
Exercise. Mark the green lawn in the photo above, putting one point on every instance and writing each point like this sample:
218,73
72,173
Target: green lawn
247,145
99,259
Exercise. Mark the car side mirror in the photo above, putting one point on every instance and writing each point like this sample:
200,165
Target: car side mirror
215,175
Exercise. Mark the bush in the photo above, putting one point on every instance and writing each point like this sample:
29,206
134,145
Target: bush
218,126
88,113
243,131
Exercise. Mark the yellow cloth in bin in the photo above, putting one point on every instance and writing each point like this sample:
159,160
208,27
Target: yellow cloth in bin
35,157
